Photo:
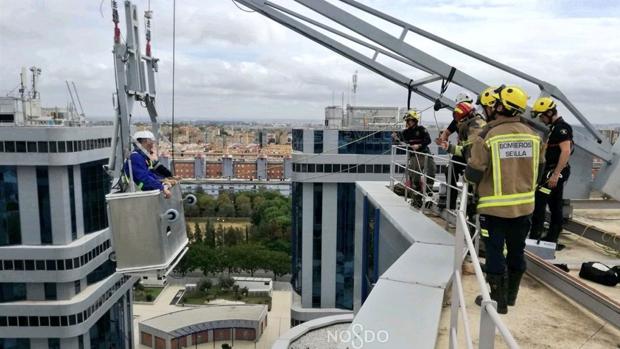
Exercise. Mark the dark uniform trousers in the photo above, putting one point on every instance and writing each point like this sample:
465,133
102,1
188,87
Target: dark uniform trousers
554,199
512,232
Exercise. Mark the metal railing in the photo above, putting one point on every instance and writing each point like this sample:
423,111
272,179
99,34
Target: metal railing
490,322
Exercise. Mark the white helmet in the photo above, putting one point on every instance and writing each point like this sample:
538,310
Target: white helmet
143,134
463,97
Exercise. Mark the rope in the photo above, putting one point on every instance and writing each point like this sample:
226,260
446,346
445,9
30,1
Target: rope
242,9
174,36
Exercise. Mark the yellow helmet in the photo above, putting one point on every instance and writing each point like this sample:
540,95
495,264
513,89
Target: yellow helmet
542,105
412,114
488,97
513,98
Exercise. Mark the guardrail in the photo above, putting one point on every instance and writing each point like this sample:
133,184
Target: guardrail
464,244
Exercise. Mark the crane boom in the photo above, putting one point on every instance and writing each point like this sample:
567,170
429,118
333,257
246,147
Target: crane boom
589,144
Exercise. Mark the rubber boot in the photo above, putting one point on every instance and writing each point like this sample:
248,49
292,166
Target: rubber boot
498,285
514,280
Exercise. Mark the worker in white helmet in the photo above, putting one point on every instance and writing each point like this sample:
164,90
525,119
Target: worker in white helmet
147,174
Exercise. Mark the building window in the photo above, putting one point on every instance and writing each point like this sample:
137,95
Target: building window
317,230
50,291
318,141
95,186
77,286
103,271
72,202
345,245
12,291
298,140
364,142
53,343
146,339
45,215
14,343
296,238
42,147
20,146
9,146
32,147
10,228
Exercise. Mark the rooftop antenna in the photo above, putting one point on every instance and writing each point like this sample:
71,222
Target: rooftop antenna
354,87
35,74
22,90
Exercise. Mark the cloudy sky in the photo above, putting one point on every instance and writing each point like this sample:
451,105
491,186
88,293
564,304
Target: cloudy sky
236,65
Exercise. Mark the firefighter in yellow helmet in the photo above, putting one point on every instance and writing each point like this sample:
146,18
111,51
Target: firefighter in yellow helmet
505,163
417,138
556,173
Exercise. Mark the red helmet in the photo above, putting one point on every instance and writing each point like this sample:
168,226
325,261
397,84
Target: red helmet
462,110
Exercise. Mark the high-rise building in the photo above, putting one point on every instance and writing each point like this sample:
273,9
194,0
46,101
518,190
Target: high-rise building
58,285
326,164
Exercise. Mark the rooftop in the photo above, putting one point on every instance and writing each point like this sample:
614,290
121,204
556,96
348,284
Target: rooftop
188,317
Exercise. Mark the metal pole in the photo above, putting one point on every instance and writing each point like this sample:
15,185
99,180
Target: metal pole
393,151
407,177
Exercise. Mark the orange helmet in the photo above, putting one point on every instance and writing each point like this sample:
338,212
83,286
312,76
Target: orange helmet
462,111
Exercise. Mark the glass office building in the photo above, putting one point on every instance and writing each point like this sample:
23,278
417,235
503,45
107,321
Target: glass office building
326,164
58,287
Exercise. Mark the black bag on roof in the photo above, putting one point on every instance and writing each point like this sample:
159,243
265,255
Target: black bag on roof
600,273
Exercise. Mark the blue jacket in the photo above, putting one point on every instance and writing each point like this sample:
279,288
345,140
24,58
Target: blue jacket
141,167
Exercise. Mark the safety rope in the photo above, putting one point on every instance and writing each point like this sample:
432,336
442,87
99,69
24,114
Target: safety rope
174,36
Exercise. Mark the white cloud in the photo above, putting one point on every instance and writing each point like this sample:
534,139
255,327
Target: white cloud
234,64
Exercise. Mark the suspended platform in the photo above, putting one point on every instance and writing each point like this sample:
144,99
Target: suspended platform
148,231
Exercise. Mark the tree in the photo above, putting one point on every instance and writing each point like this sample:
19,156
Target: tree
243,205
226,209
207,205
219,234
188,231
279,263
209,239
197,233
232,236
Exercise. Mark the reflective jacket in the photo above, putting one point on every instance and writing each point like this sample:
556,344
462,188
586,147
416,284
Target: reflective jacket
506,160
467,132
142,170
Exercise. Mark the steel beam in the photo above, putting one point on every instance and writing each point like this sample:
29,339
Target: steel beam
547,88
264,8
609,239
584,295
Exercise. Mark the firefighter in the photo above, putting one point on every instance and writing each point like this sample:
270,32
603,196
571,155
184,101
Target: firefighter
556,173
468,124
417,139
143,168
458,161
505,163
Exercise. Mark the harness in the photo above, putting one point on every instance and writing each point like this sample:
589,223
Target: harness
125,180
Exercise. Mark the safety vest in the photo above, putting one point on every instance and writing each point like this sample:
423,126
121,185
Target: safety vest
125,178
510,154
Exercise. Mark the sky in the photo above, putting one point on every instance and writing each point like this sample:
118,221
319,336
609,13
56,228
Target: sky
231,64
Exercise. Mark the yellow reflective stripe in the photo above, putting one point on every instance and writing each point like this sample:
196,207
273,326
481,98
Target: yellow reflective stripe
484,232
544,190
497,169
535,154
506,203
140,185
507,196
